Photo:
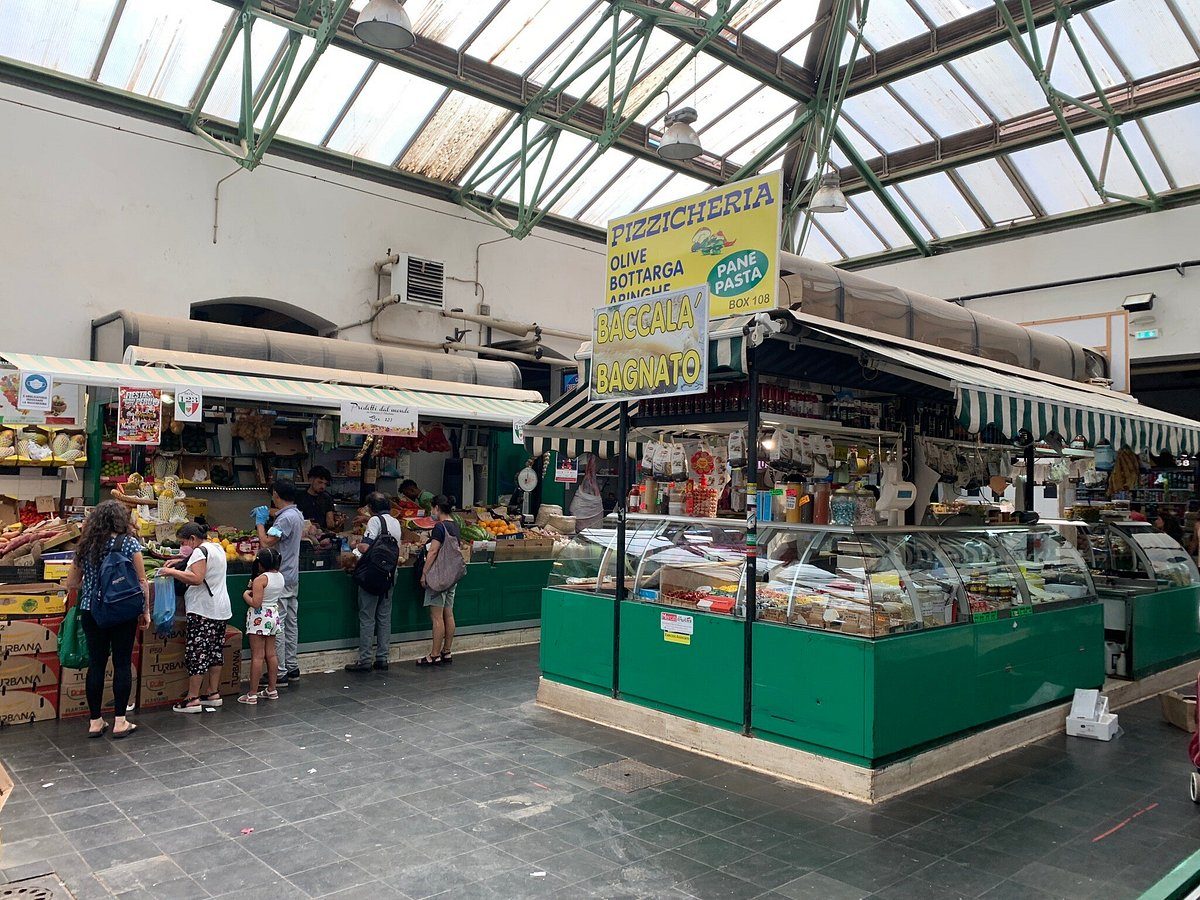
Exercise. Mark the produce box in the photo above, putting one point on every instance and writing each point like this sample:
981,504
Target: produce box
18,706
522,546
30,636
29,672
70,678
165,688
1179,708
38,599
196,506
69,534
72,692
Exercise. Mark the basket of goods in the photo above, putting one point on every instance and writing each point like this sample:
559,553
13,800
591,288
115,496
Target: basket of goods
33,446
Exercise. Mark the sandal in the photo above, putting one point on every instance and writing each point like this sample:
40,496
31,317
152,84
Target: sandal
188,705
268,695
248,699
212,701
95,734
130,728
429,661
447,658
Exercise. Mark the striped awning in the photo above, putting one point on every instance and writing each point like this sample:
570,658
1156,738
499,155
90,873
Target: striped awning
279,391
1012,399
573,426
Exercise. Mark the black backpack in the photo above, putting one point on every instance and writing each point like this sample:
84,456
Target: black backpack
375,571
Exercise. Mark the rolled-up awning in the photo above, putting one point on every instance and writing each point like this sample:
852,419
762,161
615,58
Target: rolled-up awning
521,406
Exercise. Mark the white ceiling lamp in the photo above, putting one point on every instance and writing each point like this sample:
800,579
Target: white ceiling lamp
680,141
385,24
829,197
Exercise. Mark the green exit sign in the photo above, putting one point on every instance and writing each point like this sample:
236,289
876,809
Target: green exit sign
1146,335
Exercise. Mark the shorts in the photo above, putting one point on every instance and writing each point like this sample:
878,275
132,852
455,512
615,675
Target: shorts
263,621
444,598
205,642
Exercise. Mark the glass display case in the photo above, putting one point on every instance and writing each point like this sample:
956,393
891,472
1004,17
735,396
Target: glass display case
865,581
1119,553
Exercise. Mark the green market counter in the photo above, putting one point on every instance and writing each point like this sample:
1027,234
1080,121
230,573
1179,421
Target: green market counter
493,596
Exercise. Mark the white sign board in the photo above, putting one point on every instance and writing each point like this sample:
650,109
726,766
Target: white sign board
566,471
378,419
189,405
677,624
519,431
35,391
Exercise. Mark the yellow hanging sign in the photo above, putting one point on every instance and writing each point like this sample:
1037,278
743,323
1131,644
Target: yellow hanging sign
727,238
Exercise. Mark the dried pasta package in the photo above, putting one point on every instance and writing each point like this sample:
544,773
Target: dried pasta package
662,461
737,449
678,463
649,449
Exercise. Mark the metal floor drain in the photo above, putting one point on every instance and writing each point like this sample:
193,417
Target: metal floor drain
44,887
627,775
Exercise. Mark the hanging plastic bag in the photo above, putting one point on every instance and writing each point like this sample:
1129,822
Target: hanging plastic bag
72,643
164,604
588,507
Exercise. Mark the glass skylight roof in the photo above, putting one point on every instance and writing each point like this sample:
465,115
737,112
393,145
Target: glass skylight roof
919,132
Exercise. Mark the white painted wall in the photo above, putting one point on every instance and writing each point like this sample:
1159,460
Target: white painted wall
101,212
1136,242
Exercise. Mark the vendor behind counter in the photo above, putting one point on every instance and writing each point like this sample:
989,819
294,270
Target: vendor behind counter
315,504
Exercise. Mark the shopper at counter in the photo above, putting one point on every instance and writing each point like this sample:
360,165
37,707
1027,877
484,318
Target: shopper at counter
284,535
316,505
440,602
1169,525
375,610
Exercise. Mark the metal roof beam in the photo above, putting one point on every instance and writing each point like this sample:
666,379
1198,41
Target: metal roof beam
948,42
1143,97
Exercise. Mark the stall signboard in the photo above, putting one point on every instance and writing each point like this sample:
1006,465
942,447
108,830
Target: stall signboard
655,346
518,427
378,419
189,405
66,408
727,237
139,416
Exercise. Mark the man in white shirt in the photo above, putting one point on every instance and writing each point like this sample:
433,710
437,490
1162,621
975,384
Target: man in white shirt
208,611
375,610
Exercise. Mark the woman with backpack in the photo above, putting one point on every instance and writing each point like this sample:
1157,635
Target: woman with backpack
375,576
444,569
114,598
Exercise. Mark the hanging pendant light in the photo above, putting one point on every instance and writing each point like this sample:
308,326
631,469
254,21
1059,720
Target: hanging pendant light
385,24
680,140
829,197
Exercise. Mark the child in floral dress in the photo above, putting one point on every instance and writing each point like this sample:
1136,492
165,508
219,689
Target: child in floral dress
262,623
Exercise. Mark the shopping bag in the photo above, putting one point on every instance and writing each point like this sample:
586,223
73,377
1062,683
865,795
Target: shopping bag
164,603
72,643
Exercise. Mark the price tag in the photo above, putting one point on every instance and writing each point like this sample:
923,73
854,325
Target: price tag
992,616
1021,611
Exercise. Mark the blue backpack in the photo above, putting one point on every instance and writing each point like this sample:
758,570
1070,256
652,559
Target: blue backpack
121,596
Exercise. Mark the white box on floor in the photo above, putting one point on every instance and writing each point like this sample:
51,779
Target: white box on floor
1102,729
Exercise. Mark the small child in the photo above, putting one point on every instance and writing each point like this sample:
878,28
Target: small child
262,622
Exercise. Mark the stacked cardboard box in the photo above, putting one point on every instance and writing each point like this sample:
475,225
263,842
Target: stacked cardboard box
72,690
29,670
162,672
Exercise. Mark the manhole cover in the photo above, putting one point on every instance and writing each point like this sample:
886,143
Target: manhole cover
44,887
627,775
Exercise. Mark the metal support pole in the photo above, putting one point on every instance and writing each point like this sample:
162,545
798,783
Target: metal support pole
1030,459
622,508
751,593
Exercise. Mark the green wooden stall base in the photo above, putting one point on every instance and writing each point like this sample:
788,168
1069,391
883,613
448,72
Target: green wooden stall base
577,639
1166,629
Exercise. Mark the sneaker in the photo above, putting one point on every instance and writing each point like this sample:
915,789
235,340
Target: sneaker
186,706
248,699
293,674
381,666
358,667
280,681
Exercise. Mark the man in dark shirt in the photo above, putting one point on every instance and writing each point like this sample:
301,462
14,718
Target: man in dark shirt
315,503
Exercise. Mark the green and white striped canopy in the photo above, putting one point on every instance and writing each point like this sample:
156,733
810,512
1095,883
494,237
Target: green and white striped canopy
317,395
573,426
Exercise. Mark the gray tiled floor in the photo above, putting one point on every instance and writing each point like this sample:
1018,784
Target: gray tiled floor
412,784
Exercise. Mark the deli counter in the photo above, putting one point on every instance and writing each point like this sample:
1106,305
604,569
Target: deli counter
1150,590
869,643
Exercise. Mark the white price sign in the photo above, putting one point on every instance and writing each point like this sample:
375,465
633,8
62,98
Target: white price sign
378,419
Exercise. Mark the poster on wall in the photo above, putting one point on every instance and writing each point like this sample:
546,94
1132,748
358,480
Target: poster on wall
727,238
189,405
66,404
139,415
378,419
656,346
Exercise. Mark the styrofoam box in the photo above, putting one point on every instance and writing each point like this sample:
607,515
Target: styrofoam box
1105,729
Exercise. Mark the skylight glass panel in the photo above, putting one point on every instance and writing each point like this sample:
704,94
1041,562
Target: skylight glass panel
872,209
887,123
747,116
592,182
225,99
522,31
941,101
911,214
458,130
676,188
498,160
817,246
850,232
1055,177
783,22
994,190
943,11
1068,74
1120,177
764,131
891,22
1177,135
162,50
865,148
567,157
623,197
709,95
545,69
387,113
1002,81
1190,9
942,205
63,36
1144,35
661,55
447,23
323,95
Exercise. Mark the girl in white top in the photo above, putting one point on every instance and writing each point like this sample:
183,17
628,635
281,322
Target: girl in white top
262,622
